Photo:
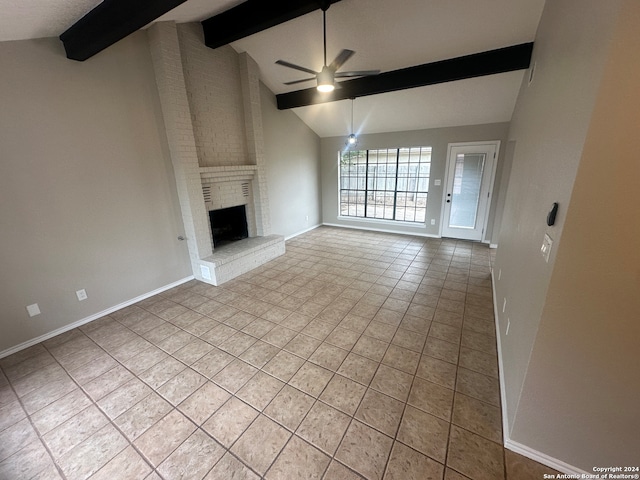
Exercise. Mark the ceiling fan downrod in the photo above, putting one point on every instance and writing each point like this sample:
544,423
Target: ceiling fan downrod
324,6
324,34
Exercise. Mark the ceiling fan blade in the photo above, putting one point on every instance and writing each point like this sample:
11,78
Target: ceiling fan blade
342,57
296,67
299,81
361,73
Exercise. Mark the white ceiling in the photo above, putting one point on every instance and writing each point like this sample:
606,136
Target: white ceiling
386,35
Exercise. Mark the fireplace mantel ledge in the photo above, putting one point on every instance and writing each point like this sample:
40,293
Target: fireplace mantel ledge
228,169
224,174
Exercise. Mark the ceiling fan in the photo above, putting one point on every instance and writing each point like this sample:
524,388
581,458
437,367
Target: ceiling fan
326,77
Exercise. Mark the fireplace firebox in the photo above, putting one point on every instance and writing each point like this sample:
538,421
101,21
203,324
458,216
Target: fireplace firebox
228,225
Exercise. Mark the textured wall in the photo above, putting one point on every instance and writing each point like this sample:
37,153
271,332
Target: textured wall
88,198
569,363
292,152
549,127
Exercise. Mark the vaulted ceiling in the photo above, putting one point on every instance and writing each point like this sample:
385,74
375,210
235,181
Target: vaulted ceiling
386,35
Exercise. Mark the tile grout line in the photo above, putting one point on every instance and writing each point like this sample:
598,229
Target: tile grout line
317,273
455,385
109,420
35,429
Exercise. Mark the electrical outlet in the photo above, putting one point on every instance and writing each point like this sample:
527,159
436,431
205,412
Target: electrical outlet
81,294
508,326
33,310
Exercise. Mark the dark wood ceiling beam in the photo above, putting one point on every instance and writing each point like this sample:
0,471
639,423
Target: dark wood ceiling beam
253,16
516,57
109,22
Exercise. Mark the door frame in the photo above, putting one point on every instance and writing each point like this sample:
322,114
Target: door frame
492,177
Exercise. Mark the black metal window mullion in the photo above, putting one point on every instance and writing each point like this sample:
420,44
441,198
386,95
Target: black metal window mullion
366,183
395,185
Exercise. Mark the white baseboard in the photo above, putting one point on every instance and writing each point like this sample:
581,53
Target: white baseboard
512,445
382,230
505,418
91,318
544,459
303,231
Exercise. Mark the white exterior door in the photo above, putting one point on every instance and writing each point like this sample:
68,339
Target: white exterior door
468,189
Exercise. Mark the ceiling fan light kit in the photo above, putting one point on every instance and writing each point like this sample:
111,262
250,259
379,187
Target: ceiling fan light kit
326,80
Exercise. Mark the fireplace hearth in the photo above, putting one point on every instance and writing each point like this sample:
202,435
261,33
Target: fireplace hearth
228,225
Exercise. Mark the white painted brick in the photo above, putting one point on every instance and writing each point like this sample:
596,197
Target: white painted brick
211,106
212,77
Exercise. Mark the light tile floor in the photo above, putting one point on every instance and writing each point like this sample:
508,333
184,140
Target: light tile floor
355,355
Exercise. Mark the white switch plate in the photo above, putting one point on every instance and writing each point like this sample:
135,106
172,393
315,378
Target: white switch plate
81,294
33,310
433,221
547,243
437,182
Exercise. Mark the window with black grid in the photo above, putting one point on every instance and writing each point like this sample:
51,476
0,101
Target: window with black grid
387,184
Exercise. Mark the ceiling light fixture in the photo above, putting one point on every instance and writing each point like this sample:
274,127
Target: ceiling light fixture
352,139
325,80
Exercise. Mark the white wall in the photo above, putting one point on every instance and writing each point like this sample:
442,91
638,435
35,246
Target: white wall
87,195
436,138
570,361
292,153
548,127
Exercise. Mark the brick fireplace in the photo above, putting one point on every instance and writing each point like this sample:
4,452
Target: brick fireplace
210,102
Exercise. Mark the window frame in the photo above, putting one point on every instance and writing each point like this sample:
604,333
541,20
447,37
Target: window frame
367,189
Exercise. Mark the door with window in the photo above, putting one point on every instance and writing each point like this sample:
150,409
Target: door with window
468,189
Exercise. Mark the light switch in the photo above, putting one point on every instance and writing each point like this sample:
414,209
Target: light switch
33,310
437,182
547,243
